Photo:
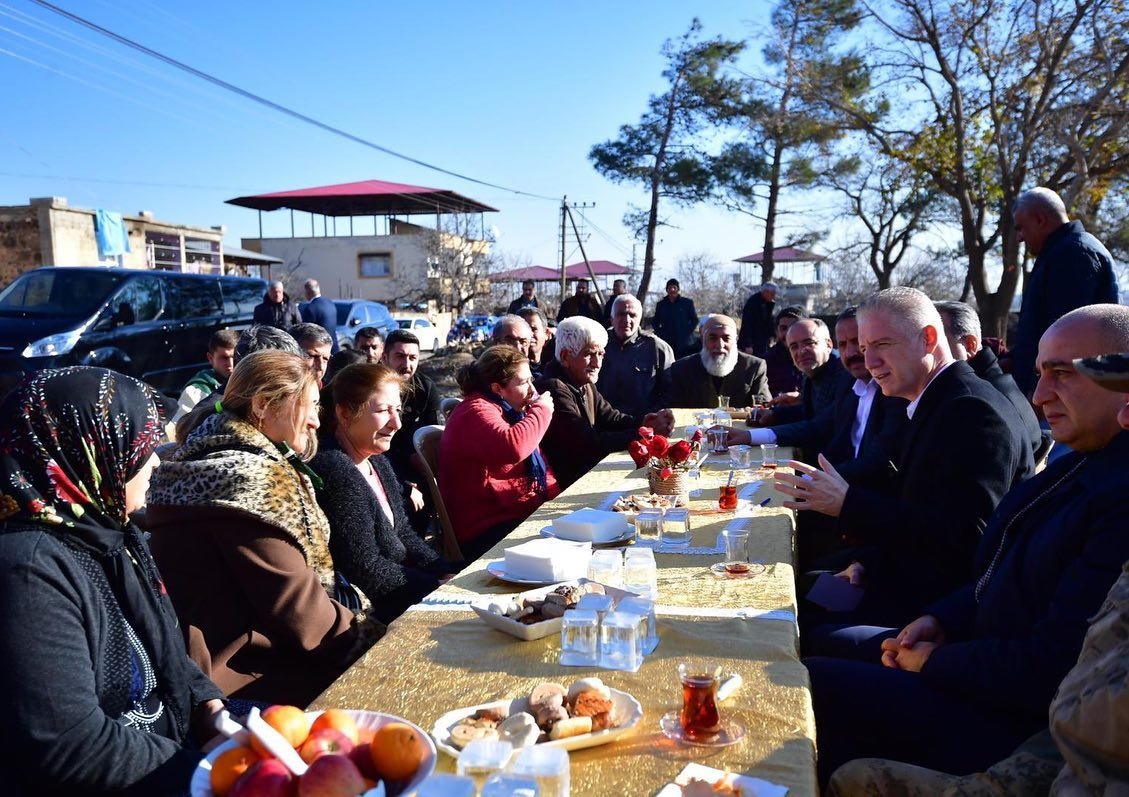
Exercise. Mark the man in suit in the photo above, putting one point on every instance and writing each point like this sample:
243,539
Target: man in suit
809,343
718,370
962,450
962,328
974,675
319,310
585,427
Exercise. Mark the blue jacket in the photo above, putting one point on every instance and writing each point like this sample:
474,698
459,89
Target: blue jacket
1059,559
323,312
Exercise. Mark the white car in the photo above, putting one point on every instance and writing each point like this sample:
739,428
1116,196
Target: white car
423,329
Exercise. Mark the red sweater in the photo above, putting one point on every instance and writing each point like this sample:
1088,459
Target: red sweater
482,470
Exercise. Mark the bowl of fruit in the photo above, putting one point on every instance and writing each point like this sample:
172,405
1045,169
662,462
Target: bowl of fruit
346,753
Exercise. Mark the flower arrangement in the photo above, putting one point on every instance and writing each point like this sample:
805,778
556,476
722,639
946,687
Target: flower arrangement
662,455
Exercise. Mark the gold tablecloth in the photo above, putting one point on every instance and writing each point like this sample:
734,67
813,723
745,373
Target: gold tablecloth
434,659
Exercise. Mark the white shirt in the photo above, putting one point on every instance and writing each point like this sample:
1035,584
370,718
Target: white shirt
912,408
866,392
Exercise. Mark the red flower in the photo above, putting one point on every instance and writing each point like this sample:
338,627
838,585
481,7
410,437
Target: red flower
697,436
680,451
666,472
646,432
658,445
639,452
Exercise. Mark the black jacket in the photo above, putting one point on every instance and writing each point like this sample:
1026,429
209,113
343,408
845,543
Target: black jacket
806,423
282,314
391,564
881,438
961,452
692,386
988,368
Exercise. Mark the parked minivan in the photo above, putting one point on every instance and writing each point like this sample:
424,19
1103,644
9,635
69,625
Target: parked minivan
153,325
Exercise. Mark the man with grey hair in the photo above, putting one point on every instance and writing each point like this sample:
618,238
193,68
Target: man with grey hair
756,321
1072,269
258,337
511,330
315,344
585,427
962,450
719,370
319,310
635,378
962,328
277,309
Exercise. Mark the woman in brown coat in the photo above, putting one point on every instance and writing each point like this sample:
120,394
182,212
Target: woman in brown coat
243,546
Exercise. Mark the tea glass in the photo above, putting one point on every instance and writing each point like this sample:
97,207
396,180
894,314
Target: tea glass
768,456
640,574
676,528
482,758
736,550
727,497
723,402
717,440
699,717
741,457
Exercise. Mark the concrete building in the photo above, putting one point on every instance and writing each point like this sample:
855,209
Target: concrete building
49,232
394,261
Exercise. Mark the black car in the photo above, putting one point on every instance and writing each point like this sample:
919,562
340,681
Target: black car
153,325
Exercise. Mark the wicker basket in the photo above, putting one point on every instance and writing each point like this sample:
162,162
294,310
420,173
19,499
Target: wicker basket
676,484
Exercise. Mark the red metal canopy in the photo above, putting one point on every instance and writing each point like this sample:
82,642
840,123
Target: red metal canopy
600,268
535,273
365,198
784,254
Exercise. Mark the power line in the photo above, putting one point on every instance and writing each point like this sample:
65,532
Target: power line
270,104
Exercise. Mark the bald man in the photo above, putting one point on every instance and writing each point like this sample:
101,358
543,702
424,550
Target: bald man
1072,269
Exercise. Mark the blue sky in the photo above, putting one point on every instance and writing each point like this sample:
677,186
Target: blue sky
514,94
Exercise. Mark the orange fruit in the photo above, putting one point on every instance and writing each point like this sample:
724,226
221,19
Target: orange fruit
290,721
229,766
339,720
397,751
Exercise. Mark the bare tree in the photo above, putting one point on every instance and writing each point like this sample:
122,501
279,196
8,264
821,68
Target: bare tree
714,289
459,263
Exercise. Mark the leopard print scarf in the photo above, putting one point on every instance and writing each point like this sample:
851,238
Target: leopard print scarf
228,462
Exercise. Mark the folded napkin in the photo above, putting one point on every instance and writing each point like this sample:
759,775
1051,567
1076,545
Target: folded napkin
753,787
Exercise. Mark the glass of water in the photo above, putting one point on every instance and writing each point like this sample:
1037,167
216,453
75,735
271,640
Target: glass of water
644,608
619,642
580,638
606,567
507,784
549,766
640,574
676,528
648,524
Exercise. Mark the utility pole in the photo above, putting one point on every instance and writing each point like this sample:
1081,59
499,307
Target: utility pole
566,217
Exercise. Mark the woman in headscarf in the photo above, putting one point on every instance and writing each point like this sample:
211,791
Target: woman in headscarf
491,469
244,546
373,544
98,694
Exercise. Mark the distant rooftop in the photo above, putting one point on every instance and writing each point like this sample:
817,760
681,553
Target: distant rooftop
365,198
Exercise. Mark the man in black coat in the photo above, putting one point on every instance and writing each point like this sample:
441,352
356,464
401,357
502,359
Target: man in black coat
277,309
974,676
1072,269
718,370
676,319
962,328
962,450
756,321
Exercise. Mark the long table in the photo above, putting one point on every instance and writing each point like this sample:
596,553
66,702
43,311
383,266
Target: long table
439,656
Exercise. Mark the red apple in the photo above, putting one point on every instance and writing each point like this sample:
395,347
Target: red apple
331,775
265,778
326,740
361,756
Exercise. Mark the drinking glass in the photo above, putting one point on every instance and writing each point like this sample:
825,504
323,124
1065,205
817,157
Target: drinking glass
548,766
723,403
676,528
700,718
606,567
736,550
444,784
716,439
727,497
594,601
702,417
620,647
741,457
768,456
482,758
580,638
648,524
640,574
507,784
644,608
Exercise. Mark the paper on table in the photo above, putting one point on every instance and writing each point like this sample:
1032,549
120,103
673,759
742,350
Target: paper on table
750,786
834,594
